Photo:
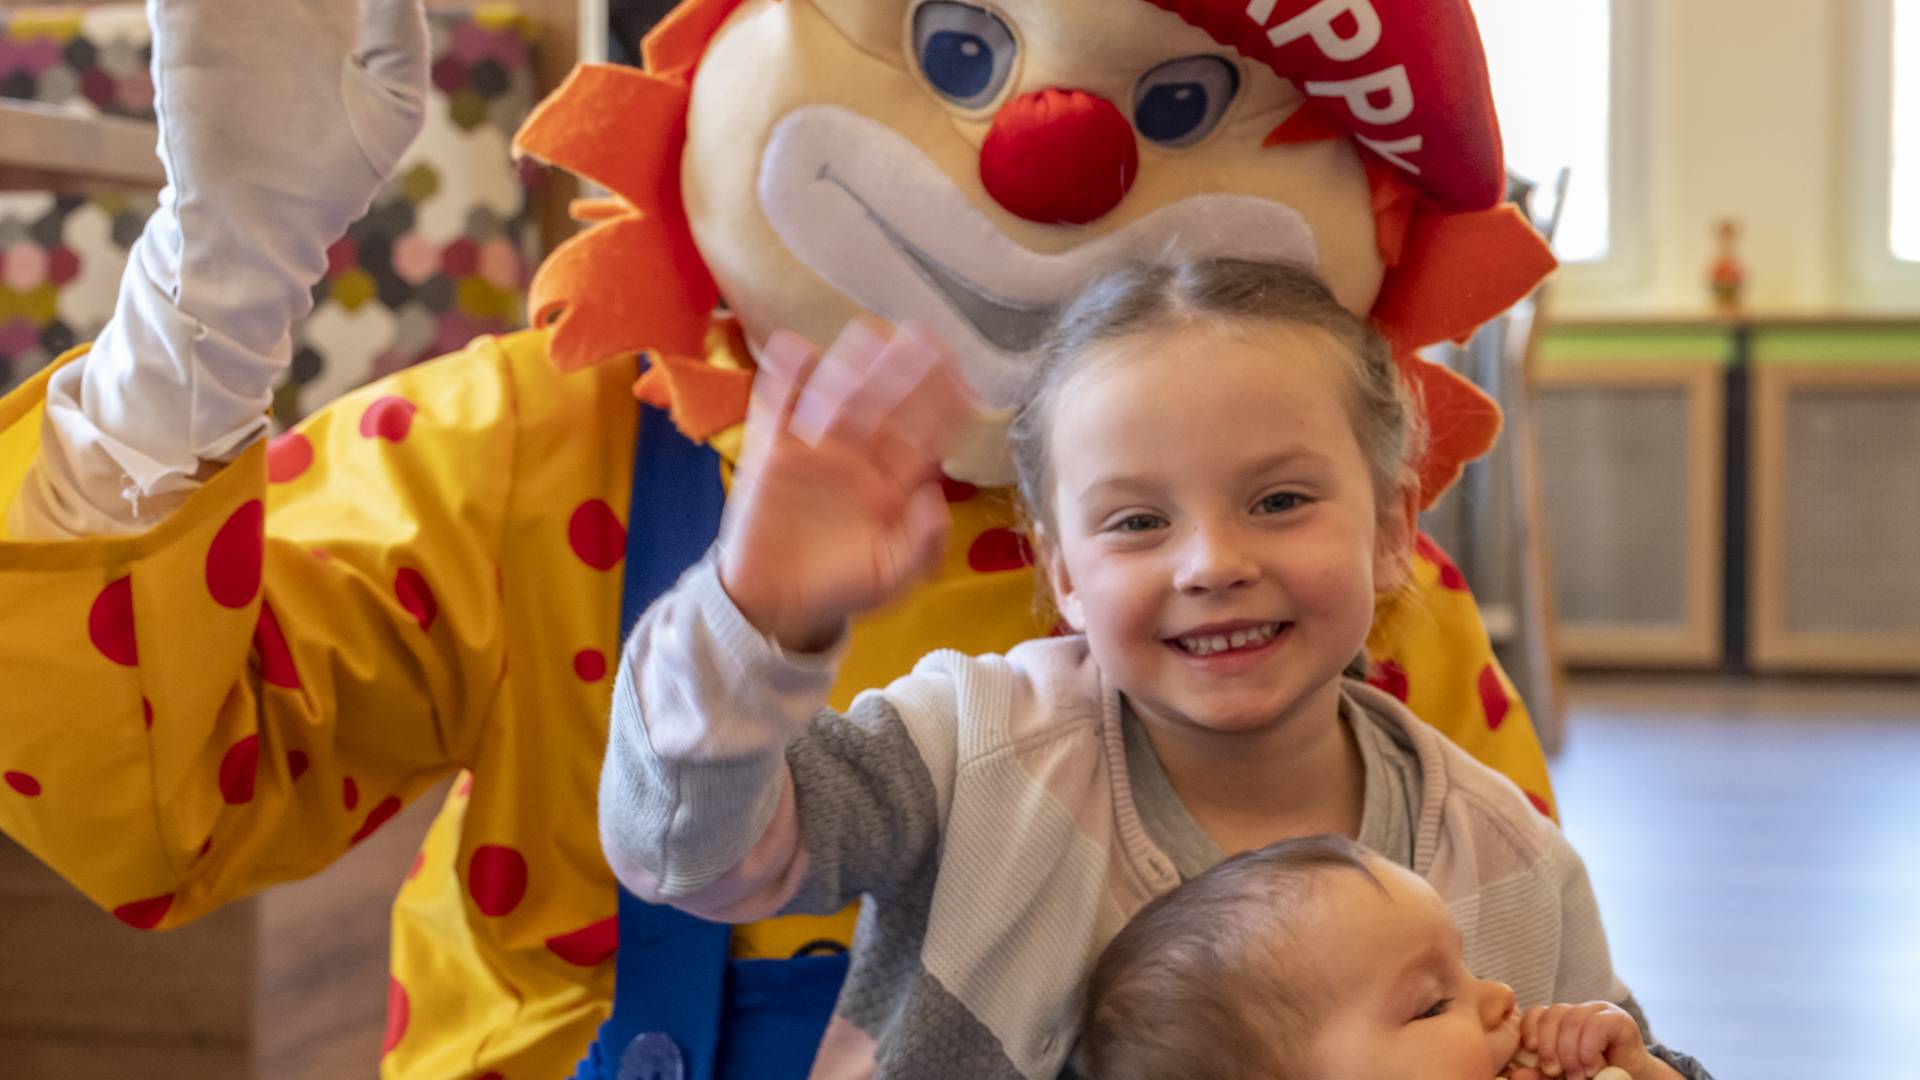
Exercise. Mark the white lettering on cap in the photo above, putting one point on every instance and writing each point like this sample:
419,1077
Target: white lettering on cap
1394,151
1318,22
1359,95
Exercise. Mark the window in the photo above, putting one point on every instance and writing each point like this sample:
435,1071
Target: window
1551,66
1880,214
1903,217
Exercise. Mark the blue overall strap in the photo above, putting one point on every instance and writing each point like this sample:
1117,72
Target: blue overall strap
671,968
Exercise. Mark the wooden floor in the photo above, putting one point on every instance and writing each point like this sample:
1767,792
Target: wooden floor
1756,850
1755,847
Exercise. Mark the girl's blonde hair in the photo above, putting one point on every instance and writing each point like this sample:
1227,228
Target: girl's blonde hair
1155,297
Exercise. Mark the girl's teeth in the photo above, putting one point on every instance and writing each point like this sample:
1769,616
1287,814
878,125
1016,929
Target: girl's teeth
1213,643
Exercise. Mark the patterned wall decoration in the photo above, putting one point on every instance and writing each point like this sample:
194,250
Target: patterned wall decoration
444,254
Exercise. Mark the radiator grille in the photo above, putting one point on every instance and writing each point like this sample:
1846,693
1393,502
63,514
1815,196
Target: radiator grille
1851,510
1614,471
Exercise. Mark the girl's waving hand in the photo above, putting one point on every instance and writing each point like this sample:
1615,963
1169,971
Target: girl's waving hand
837,506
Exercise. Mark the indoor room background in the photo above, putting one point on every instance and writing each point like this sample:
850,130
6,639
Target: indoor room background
1695,546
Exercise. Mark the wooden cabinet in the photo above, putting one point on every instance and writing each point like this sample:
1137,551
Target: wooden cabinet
1736,494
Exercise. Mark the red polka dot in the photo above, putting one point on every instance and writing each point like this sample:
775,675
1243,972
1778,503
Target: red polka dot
1450,576
376,817
590,665
1389,676
588,946
349,793
297,764
1493,697
596,535
956,490
399,1011
233,560
22,783
144,914
146,711
110,623
276,659
999,549
497,879
465,787
238,769
415,596
288,457
388,418
493,1076
419,860
1539,803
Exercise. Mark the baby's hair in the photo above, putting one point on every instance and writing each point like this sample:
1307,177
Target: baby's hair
1205,982
1154,297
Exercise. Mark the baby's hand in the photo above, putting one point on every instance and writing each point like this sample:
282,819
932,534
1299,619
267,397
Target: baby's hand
1583,1042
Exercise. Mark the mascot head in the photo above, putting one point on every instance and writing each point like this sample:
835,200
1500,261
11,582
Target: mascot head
969,164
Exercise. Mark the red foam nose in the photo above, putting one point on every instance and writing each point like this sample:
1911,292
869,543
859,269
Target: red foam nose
1059,156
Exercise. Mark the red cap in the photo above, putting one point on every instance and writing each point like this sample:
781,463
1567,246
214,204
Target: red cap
1406,78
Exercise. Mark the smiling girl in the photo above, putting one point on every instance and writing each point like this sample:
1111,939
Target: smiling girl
1218,460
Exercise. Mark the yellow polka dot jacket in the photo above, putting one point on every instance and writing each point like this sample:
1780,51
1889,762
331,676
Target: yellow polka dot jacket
423,581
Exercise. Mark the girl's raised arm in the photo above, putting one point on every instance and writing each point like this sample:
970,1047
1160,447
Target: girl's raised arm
727,790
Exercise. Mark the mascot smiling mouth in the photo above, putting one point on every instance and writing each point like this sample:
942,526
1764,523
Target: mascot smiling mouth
862,206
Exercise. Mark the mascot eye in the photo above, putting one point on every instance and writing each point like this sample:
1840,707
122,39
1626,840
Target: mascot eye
966,52
1177,103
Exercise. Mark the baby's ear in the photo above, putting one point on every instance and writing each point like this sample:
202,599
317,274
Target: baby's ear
1394,536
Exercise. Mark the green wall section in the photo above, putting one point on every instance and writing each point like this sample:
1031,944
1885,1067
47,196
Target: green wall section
1628,342
1832,345
1874,343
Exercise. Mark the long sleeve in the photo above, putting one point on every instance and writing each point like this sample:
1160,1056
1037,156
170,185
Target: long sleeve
276,129
729,789
127,426
241,692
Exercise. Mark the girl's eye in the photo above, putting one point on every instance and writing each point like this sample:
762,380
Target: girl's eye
1281,501
1136,523
1435,1009
1177,103
965,52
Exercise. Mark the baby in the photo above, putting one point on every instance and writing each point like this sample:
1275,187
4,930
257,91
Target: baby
1314,957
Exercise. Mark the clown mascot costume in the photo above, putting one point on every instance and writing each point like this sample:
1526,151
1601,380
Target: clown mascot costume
226,662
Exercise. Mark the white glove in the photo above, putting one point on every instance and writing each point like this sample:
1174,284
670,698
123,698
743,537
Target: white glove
279,121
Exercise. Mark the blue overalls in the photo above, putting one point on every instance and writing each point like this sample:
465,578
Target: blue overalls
683,1008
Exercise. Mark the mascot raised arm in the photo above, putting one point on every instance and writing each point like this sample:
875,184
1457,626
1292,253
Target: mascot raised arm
226,662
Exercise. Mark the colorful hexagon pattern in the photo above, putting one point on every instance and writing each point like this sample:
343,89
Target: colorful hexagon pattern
444,254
